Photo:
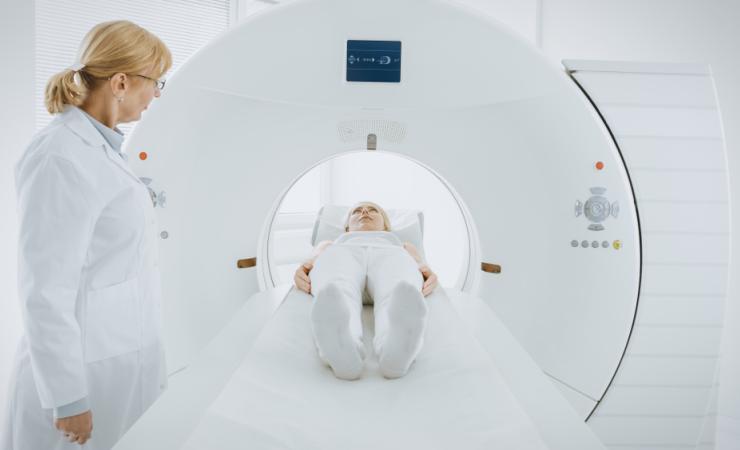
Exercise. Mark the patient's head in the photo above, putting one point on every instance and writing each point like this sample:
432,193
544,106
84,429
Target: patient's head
367,216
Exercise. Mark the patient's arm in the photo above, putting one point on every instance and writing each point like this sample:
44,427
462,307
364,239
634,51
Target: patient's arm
320,247
430,278
301,278
411,248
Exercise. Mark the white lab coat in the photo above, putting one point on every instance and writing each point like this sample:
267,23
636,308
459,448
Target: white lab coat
89,289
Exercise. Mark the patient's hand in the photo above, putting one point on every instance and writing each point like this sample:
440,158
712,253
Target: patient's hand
302,281
430,280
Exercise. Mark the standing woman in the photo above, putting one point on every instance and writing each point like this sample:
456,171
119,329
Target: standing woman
88,278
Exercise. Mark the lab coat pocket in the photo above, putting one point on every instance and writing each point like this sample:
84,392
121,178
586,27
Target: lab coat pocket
113,325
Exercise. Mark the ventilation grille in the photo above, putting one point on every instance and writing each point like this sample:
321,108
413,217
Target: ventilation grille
357,130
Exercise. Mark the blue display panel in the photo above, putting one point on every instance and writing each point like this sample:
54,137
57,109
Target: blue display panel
378,61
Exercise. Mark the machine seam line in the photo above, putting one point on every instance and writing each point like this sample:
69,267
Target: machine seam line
658,136
655,106
679,325
675,170
689,233
686,202
670,355
666,386
681,295
570,387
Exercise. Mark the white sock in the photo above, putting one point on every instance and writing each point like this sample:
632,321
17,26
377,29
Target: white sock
330,318
407,312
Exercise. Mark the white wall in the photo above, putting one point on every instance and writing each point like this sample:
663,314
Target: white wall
16,129
673,31
521,16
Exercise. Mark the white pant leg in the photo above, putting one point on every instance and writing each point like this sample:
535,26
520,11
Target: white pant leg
388,268
345,268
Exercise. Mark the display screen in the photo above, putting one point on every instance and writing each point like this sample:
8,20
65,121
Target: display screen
374,61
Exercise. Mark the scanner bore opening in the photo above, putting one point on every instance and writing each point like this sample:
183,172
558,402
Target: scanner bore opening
392,180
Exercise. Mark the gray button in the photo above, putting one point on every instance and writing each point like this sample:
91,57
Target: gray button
584,244
605,244
597,190
595,244
164,235
574,243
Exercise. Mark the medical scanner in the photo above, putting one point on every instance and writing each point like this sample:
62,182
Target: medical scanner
594,196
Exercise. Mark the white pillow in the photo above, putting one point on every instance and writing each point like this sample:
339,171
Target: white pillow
408,225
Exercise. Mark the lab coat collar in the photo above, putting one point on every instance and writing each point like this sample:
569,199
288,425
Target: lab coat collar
80,125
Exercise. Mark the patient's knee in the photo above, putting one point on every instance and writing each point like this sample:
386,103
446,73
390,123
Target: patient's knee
407,289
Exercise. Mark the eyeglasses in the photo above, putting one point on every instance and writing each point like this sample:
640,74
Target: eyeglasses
158,83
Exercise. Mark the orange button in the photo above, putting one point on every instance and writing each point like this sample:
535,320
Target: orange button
599,165
143,156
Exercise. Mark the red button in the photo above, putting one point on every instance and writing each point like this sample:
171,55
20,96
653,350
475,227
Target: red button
599,165
143,156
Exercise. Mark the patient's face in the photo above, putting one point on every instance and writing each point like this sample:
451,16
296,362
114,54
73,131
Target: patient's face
366,217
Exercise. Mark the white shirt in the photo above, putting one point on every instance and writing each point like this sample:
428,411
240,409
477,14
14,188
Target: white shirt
369,239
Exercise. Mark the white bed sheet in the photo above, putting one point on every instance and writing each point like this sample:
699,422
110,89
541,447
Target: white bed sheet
283,397
260,385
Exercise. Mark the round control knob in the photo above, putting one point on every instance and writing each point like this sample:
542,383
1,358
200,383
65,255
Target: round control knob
597,208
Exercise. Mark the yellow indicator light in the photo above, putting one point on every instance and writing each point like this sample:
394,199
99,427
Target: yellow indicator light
617,244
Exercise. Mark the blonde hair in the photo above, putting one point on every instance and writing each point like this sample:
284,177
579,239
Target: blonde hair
386,220
109,48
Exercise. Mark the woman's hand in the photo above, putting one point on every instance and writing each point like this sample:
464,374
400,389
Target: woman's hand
430,279
301,278
76,428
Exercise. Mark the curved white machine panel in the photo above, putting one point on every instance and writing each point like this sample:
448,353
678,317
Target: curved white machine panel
665,119
540,182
